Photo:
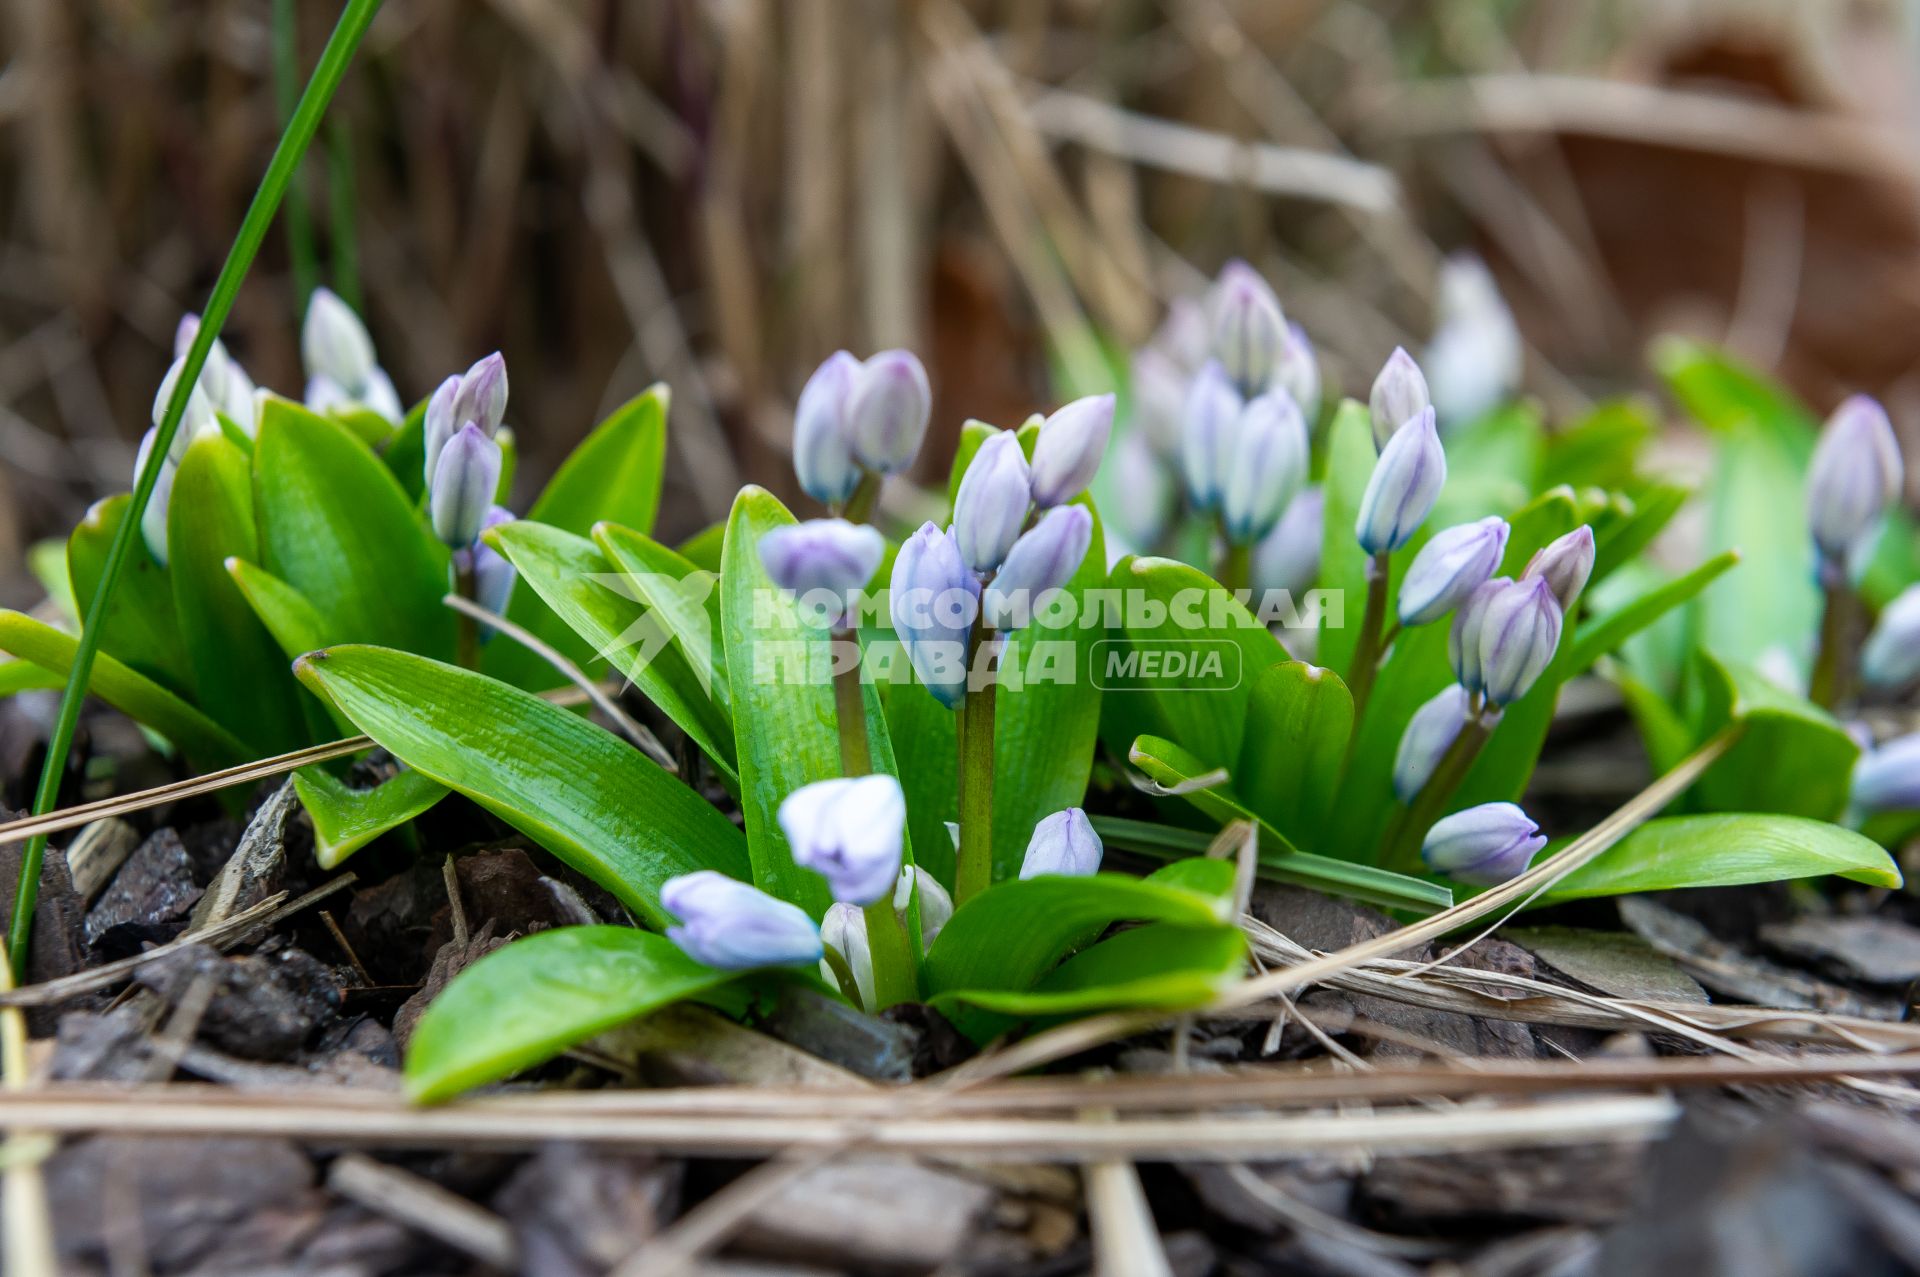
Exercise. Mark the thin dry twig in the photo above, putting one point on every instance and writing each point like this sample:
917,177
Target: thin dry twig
424,1205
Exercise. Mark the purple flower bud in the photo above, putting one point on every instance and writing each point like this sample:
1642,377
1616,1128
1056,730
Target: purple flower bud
439,423
483,394
888,409
1043,559
1159,398
991,506
1298,372
1067,453
1455,563
1484,845
1463,640
734,927
1399,395
334,344
198,417
1429,735
493,574
1406,482
823,561
1476,356
1856,474
1888,778
1248,327
1288,558
1266,466
1519,634
1145,478
1566,562
933,600
1207,424
153,519
1063,843
463,485
1182,335
1891,657
848,831
822,438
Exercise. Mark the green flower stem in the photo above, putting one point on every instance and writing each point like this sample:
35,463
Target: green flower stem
1832,680
1236,567
1400,845
286,92
466,630
974,871
892,952
344,202
1366,653
859,508
850,708
346,37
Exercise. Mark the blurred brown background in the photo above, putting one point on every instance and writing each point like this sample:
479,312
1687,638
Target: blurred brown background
721,192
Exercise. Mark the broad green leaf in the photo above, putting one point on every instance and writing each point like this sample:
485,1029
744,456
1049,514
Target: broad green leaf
573,578
47,560
25,676
1013,933
1603,450
140,627
1298,722
1343,564
1793,757
1619,540
1323,873
1724,851
1492,464
367,426
1664,732
583,794
680,595
336,526
405,453
297,628
614,475
702,549
240,673
1603,634
346,819
132,693
1179,617
526,1003
1163,966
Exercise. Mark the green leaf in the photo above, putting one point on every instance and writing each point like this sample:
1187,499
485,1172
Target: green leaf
681,596
1298,722
1620,538
1724,851
527,1002
242,676
1343,564
702,549
1014,932
1793,757
1603,634
127,690
1603,450
1323,873
336,526
140,627
615,473
405,453
345,819
297,628
586,796
47,560
570,574
1492,464
25,676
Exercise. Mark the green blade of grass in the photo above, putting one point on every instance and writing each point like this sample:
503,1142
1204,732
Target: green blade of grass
346,37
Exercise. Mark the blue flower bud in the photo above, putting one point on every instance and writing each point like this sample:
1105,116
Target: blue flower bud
1476,356
850,832
1159,399
153,519
844,928
1266,466
734,927
1288,558
1484,845
1067,453
1891,657
888,409
823,561
1888,778
1063,843
1519,634
1399,395
493,574
991,506
439,423
463,485
228,387
1207,425
1856,474
1430,734
1298,372
1565,563
933,600
822,436
1144,477
1455,563
196,420
1406,481
1463,640
334,344
1183,334
1248,327
1043,559
483,394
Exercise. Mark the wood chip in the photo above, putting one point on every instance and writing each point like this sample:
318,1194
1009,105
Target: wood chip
96,851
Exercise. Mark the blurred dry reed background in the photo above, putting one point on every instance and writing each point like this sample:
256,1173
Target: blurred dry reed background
721,192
